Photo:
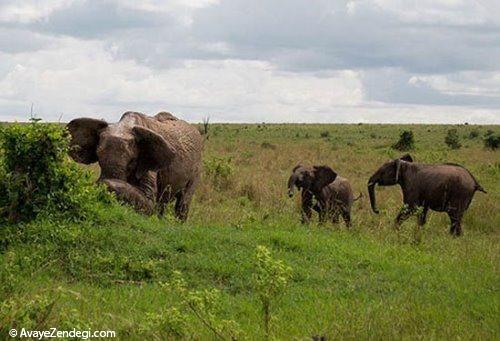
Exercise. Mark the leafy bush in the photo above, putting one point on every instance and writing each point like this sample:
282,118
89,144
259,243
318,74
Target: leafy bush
220,169
38,177
199,308
492,140
473,134
452,139
270,279
325,134
406,141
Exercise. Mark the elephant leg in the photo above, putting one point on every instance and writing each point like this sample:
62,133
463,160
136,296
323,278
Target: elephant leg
456,224
346,215
335,216
422,218
322,216
164,198
183,200
404,214
307,199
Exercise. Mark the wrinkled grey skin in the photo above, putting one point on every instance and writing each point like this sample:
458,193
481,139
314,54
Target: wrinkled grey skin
311,181
147,161
440,187
338,199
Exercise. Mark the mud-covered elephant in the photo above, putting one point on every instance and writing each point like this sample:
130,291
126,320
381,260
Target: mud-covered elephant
440,187
147,161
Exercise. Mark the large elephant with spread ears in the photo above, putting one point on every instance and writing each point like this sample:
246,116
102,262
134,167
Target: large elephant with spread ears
147,161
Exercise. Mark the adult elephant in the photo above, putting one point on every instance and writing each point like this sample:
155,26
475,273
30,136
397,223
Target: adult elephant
440,187
147,161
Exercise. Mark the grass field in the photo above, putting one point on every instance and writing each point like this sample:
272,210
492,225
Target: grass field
371,281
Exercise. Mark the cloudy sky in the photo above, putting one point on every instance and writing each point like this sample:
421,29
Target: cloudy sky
252,60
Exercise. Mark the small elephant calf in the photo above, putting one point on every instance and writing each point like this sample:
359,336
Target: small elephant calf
338,200
333,194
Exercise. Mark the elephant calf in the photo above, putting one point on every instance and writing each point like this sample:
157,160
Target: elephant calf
333,194
338,200
147,161
440,187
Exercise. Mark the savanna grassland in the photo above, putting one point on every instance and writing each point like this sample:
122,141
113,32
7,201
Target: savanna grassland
371,281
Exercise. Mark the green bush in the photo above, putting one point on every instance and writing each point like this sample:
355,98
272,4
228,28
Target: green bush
220,170
491,140
452,140
406,141
270,280
36,175
473,134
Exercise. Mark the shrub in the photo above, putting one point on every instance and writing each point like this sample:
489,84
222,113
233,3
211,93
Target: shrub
491,140
220,170
38,177
325,134
473,134
406,141
270,279
195,306
452,139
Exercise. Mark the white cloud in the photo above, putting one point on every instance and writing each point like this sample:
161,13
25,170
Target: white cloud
463,83
26,11
322,61
82,78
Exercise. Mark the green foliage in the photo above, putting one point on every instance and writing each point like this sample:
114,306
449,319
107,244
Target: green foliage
202,306
406,141
38,312
270,279
169,322
37,177
219,170
473,134
32,314
452,140
492,140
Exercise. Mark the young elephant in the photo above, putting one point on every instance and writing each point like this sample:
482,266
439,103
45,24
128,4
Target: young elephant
311,180
338,200
440,187
316,183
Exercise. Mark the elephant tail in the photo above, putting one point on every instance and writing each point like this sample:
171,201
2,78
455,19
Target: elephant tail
359,196
479,188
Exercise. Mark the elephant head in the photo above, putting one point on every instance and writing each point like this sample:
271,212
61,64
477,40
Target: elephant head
387,175
124,152
310,178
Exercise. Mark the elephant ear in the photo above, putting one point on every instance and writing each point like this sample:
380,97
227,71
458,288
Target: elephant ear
155,152
85,138
407,158
323,175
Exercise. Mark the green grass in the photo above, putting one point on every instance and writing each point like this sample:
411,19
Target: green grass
371,281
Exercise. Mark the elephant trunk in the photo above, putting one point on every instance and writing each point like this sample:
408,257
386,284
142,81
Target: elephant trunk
371,192
130,195
291,185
